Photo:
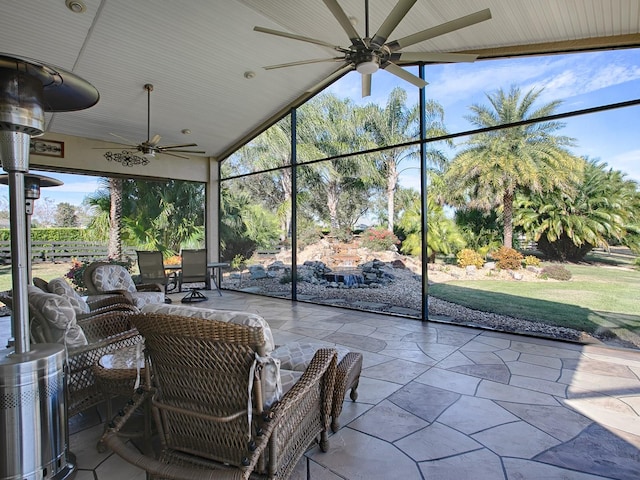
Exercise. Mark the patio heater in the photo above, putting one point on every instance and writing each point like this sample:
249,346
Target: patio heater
33,415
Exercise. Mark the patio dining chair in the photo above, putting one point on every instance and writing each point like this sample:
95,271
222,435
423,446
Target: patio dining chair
194,270
152,270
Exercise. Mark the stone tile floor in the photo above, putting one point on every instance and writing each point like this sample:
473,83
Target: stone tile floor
440,401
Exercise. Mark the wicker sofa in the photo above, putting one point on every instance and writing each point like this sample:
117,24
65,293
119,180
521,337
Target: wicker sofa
215,408
52,319
294,357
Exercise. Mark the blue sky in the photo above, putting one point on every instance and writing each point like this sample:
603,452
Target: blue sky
579,80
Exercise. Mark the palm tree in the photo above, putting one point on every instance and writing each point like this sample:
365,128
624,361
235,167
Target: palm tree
114,248
497,164
396,124
330,126
270,150
443,235
602,207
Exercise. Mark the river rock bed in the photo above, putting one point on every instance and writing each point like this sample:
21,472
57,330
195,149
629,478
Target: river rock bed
400,292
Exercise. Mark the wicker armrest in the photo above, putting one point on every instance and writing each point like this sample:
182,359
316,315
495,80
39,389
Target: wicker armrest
104,325
149,287
115,307
120,293
107,301
163,470
297,420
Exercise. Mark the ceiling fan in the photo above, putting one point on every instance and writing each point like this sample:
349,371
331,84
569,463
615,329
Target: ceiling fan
150,146
368,54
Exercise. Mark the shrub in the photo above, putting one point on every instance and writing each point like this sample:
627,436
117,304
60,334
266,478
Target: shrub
508,258
467,257
556,272
379,239
531,261
173,260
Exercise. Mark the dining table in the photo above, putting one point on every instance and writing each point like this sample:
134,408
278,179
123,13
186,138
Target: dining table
214,274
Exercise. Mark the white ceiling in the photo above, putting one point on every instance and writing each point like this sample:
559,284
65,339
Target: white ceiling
196,52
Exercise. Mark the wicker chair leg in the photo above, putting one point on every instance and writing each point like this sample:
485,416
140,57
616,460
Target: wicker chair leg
324,441
347,377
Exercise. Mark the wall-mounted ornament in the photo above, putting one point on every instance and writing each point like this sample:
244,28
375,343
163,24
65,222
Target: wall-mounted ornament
49,148
127,159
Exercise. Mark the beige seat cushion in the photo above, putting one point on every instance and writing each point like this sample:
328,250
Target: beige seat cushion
231,316
297,356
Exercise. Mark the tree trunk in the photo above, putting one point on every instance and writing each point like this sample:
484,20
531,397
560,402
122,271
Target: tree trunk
333,197
114,249
392,182
507,204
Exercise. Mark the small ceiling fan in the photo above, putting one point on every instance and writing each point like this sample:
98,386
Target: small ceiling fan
368,54
150,146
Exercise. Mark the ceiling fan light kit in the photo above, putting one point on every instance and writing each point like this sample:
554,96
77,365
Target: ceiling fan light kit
151,146
369,54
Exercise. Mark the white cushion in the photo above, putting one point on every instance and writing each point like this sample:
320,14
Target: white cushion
60,286
230,316
297,356
60,316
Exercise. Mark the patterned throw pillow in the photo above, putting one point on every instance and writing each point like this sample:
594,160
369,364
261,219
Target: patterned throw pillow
61,287
112,277
60,316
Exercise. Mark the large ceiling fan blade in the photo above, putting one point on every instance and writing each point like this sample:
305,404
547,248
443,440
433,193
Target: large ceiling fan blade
181,145
366,85
436,31
178,150
413,57
133,144
174,155
304,62
403,74
297,37
391,22
344,21
333,76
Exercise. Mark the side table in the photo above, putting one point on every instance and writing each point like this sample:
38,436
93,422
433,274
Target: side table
116,375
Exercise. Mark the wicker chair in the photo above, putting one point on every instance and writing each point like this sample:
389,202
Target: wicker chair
90,306
104,333
207,386
103,277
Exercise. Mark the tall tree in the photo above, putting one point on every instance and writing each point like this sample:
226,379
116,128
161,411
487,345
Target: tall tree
270,150
329,126
497,164
66,215
602,208
114,248
398,123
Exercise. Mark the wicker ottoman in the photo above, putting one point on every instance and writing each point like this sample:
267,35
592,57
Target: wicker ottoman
296,356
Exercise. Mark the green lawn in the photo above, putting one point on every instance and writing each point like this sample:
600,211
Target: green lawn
43,270
598,298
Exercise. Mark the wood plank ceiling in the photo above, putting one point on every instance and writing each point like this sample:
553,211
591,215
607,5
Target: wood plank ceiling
196,53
